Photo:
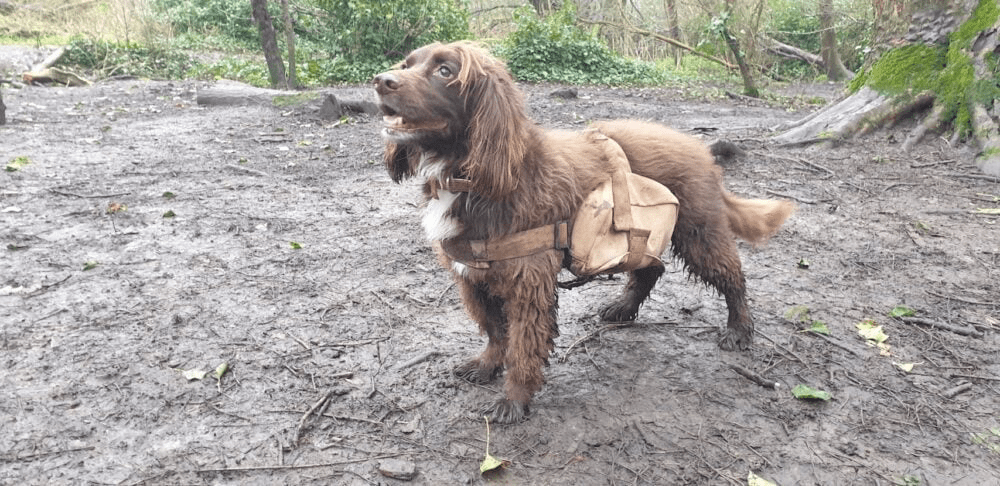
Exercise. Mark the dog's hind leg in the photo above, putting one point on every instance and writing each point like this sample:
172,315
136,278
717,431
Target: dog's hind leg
487,311
640,283
709,252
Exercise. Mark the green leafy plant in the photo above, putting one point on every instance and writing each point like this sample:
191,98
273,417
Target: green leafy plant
554,49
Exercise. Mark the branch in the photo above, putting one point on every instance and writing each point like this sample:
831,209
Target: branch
660,37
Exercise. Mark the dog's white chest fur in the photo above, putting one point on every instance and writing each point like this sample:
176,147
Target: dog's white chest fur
438,222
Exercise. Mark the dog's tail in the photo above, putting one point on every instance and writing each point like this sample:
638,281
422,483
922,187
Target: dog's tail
756,220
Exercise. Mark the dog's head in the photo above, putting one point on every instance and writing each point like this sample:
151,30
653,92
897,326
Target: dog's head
457,103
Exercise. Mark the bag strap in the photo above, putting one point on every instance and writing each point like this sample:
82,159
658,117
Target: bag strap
479,253
622,217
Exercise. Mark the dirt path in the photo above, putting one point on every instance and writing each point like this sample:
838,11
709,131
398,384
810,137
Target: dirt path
147,235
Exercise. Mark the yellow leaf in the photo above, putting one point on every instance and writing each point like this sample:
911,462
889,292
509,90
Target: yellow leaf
755,480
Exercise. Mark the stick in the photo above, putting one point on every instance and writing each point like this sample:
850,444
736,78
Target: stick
754,377
974,377
960,330
952,392
789,196
299,466
51,453
960,299
247,170
417,360
305,416
589,336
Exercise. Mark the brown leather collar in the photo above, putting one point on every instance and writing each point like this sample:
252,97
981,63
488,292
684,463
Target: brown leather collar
450,184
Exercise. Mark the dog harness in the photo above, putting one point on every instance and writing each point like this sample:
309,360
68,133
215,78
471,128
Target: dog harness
604,243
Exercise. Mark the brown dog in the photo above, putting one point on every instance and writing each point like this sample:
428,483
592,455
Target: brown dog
454,117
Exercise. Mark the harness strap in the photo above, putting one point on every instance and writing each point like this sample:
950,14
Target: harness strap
479,253
450,185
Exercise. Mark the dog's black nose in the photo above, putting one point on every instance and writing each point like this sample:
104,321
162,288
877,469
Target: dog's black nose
386,82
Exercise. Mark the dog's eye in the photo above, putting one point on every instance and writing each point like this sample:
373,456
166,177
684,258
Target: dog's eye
444,71
402,66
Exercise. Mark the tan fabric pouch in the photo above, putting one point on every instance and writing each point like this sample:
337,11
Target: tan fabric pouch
623,225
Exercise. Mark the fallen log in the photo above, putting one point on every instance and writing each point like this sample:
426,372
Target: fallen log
43,72
330,103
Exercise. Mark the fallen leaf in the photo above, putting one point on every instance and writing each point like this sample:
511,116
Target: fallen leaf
902,311
755,480
907,367
192,375
804,392
220,370
820,328
871,331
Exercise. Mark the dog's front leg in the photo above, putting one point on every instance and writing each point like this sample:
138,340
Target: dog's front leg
487,311
529,295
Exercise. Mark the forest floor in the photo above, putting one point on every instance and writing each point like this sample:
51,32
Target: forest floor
144,236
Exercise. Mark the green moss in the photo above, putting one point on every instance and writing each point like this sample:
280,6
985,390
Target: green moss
913,67
947,71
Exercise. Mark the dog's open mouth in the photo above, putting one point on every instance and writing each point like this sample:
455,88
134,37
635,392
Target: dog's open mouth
394,123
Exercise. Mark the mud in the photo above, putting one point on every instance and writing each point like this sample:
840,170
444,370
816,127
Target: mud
147,235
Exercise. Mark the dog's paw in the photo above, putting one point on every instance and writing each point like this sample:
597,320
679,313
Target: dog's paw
507,411
732,340
474,371
619,311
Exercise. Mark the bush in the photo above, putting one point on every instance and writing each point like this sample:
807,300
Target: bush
230,18
554,49
365,36
127,58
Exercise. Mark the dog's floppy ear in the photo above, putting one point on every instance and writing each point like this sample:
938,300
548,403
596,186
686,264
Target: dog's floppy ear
498,128
398,161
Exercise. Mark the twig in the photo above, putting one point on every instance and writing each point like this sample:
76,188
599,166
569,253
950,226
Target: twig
590,335
302,422
932,164
789,196
50,453
960,330
294,466
955,391
417,360
981,177
754,377
782,348
838,344
46,287
974,377
92,196
960,299
247,170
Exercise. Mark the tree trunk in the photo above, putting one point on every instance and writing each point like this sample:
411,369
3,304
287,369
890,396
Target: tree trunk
938,72
293,83
835,70
542,7
674,27
749,85
269,42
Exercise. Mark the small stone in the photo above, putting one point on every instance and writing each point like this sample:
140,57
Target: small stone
398,469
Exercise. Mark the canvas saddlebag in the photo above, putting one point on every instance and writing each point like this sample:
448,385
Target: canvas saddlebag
623,225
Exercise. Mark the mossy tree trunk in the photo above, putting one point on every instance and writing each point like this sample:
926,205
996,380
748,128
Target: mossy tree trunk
944,71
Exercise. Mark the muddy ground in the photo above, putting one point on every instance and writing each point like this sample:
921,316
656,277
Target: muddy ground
148,235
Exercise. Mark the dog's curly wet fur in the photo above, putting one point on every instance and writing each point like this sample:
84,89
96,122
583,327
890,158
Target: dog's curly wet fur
453,111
